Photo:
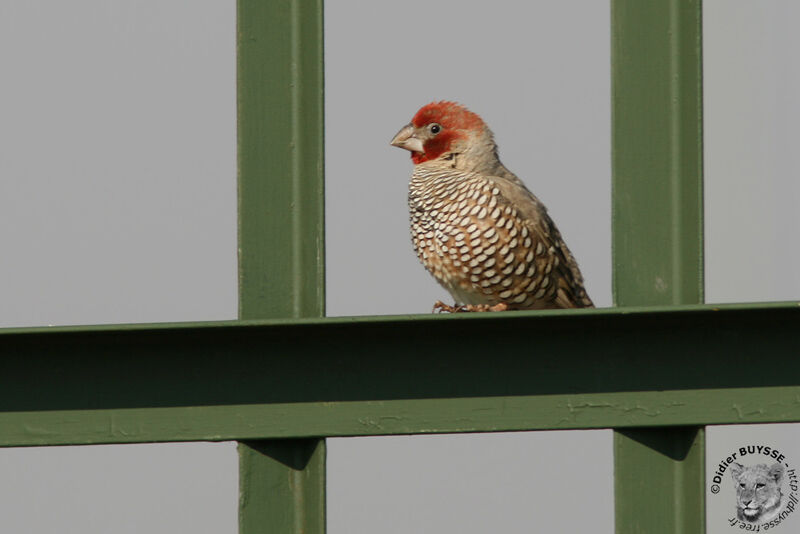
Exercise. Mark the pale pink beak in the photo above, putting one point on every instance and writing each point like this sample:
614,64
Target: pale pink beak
406,138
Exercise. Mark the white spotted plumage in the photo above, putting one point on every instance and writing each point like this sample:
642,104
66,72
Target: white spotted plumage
475,226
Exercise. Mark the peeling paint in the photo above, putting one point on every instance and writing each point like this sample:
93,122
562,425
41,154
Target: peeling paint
747,414
578,408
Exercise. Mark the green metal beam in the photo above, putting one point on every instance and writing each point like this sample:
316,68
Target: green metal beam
389,375
282,486
657,159
281,231
281,167
657,152
415,416
675,460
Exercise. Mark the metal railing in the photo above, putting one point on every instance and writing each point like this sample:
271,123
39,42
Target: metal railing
657,368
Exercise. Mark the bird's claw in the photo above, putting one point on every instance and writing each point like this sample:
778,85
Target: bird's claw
441,307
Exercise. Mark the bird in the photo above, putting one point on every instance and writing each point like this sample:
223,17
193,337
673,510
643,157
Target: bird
475,226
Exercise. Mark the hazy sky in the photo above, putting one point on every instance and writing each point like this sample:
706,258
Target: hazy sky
752,178
117,204
538,74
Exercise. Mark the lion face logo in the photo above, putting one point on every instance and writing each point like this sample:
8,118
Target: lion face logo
758,491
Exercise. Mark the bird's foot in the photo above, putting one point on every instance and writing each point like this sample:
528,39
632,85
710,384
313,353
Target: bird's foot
441,307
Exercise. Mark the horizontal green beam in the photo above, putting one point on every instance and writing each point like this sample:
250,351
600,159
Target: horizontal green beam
349,376
423,416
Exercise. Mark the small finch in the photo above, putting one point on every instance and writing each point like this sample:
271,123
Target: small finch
475,226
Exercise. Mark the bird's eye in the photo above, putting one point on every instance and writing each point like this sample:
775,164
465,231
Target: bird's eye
435,128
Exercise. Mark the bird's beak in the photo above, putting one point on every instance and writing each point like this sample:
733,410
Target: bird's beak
407,139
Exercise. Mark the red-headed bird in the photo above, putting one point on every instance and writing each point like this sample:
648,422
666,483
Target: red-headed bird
475,226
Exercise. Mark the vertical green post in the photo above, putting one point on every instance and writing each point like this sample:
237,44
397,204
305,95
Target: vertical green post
658,480
281,230
658,235
657,152
281,159
282,486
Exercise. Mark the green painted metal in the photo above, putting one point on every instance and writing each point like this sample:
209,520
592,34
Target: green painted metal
282,486
350,376
281,232
281,175
671,486
409,416
657,160
268,383
657,153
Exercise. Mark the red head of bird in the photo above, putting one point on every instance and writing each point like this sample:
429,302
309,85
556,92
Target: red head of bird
448,134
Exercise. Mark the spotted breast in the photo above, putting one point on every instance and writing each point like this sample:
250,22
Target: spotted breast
468,233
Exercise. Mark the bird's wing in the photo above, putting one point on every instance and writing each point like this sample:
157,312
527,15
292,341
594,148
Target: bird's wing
570,293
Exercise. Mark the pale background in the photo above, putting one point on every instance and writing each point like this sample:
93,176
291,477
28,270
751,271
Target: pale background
117,204
752,183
